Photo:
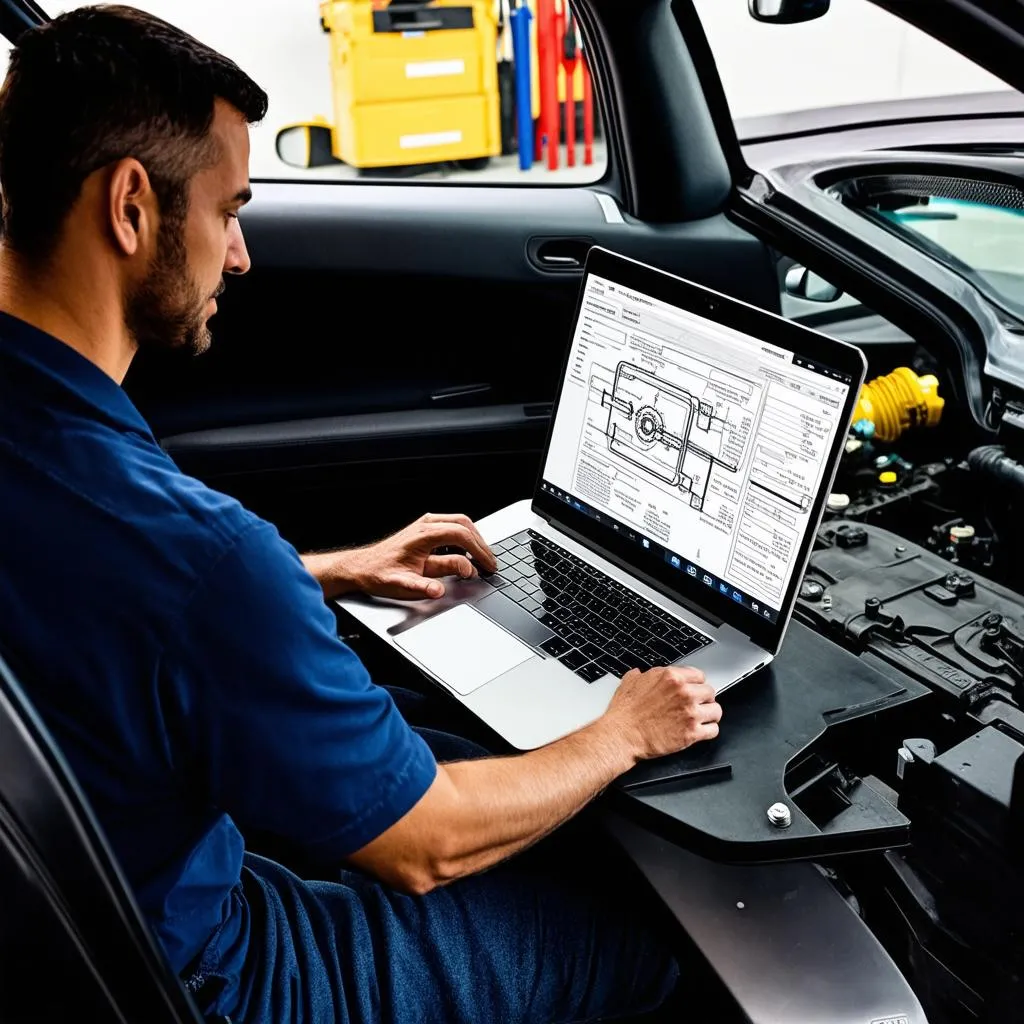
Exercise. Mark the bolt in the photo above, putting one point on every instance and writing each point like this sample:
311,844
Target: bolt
779,815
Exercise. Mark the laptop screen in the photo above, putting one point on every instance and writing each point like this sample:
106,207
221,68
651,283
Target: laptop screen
703,447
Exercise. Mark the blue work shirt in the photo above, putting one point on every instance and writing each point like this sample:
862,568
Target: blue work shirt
178,651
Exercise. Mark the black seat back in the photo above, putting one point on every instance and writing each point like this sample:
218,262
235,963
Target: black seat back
73,943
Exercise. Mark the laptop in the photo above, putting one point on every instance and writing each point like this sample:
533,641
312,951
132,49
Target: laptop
693,442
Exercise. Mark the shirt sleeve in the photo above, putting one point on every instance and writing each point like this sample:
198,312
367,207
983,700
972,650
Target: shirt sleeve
281,719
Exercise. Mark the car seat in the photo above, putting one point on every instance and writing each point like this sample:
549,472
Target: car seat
73,942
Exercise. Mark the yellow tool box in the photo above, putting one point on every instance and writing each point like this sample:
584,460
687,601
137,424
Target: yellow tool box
413,82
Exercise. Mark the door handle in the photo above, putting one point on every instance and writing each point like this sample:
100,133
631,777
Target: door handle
553,260
559,254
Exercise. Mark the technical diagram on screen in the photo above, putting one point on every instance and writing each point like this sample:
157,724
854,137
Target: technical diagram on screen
649,425
706,441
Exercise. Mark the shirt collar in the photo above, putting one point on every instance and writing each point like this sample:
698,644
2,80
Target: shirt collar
66,366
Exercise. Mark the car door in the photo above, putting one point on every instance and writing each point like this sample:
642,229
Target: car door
396,345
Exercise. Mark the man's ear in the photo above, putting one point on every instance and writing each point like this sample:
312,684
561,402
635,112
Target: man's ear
133,207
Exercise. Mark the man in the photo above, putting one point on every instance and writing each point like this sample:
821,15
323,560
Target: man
183,655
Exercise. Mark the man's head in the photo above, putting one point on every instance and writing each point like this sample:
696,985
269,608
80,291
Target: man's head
126,138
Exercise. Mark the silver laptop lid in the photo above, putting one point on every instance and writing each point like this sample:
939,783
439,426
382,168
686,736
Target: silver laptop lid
694,440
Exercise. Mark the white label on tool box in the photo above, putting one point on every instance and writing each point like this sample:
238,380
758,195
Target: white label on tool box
434,68
429,139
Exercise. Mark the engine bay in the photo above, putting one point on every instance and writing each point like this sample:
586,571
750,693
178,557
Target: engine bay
919,566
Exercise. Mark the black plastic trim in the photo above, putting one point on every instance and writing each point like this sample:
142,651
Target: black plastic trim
370,437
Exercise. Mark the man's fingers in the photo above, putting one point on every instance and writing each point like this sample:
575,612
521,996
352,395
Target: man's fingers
409,586
708,731
449,517
457,535
711,713
704,692
458,519
687,674
449,565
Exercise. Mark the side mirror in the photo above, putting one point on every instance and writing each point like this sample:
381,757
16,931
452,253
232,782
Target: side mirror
787,12
804,284
305,145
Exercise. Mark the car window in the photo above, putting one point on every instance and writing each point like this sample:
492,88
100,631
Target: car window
412,91
857,54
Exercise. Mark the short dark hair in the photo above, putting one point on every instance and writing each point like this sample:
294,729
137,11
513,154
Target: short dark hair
97,85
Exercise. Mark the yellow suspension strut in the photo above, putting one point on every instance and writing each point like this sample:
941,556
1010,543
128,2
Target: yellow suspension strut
897,402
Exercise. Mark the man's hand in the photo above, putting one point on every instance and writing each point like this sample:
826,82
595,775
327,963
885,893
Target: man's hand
662,711
405,565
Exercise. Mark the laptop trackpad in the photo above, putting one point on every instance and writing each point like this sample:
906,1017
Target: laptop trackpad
463,648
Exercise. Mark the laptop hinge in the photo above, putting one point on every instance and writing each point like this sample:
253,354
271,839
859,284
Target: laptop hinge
654,584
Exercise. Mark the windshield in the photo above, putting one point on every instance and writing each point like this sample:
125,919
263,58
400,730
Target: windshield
781,78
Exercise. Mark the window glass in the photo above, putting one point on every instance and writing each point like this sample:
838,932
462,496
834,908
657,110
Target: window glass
423,92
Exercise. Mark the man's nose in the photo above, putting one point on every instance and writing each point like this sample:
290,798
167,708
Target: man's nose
237,259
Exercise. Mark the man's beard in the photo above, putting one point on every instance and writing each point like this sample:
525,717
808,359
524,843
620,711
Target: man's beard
167,310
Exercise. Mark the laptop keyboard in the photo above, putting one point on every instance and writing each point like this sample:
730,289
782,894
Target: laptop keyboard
599,624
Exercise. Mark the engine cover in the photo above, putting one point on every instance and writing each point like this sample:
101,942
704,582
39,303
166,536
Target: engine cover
957,632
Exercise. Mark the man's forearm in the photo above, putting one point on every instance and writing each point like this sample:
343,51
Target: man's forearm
506,804
476,813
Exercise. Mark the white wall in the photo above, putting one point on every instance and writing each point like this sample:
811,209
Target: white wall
856,53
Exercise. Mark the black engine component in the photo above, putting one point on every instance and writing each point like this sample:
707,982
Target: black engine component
952,904
963,509
950,908
849,536
955,631
993,461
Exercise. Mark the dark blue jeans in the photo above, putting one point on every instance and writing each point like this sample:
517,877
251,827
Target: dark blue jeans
553,935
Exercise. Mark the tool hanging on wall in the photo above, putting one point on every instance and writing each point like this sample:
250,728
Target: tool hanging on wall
506,78
519,19
570,57
560,52
548,58
588,111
